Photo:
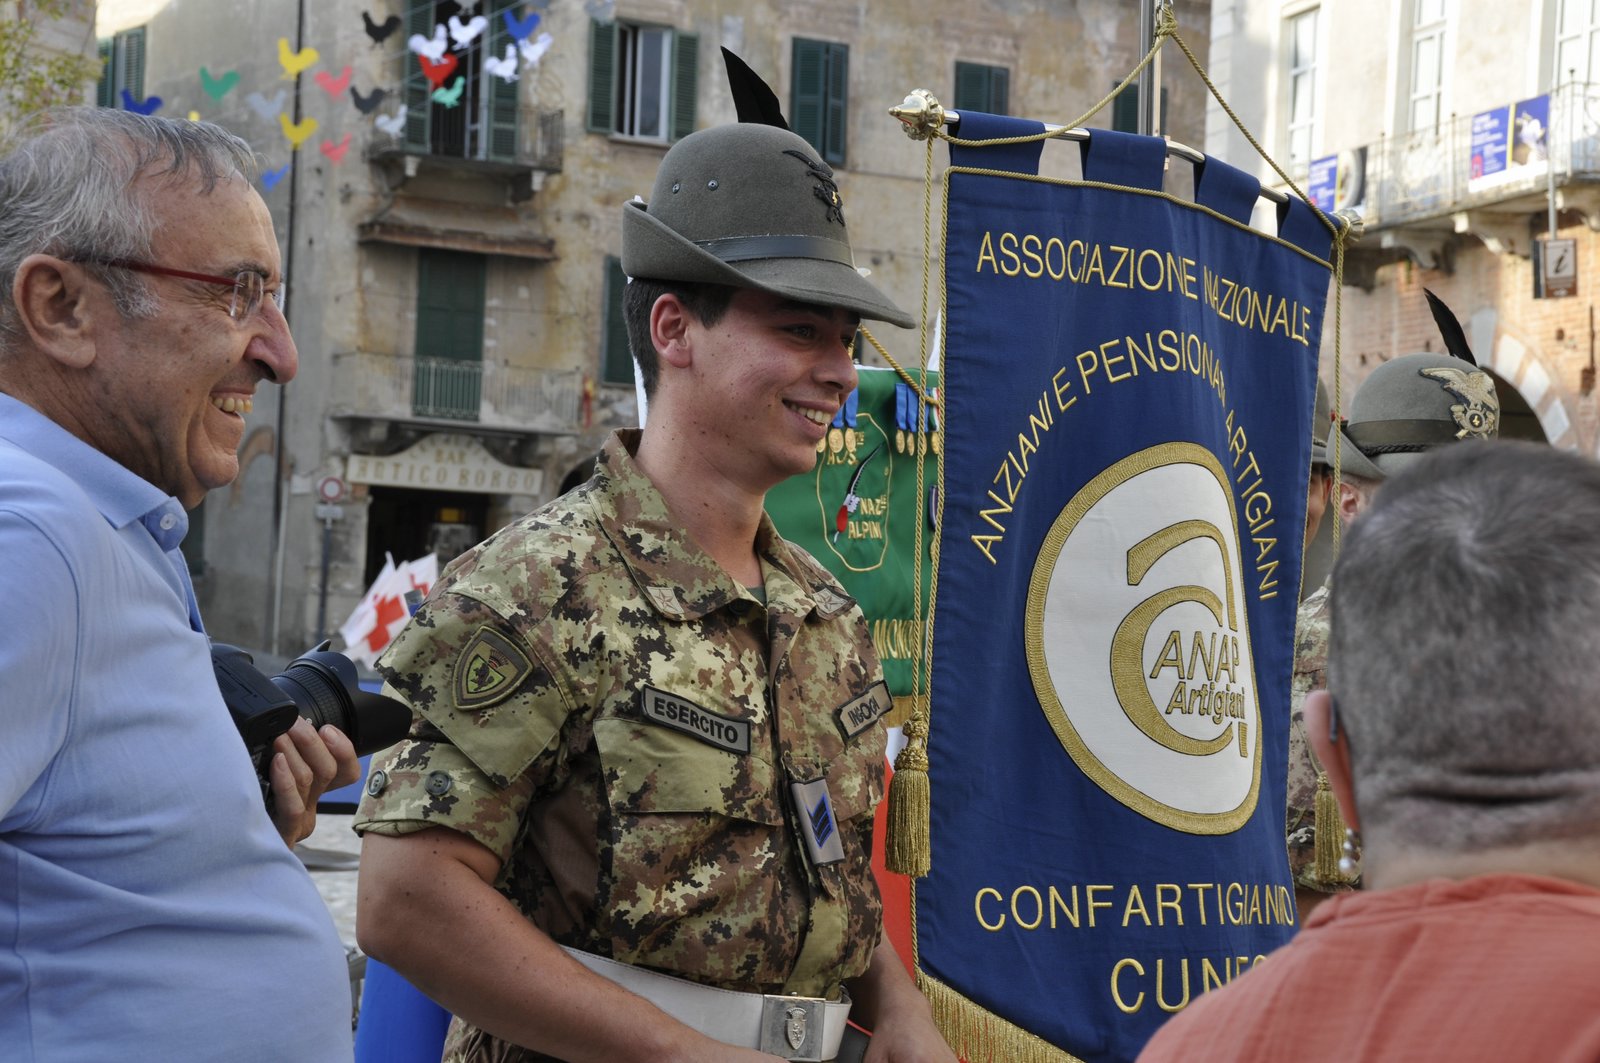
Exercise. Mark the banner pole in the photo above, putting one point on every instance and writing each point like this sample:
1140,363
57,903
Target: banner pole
1149,83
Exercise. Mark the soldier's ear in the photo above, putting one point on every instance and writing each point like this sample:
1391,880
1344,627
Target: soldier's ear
1329,742
670,322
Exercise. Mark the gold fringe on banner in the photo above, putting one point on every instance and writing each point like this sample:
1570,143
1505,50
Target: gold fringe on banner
980,1036
1329,826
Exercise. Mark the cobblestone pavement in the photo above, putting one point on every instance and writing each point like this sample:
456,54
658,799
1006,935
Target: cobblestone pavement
330,855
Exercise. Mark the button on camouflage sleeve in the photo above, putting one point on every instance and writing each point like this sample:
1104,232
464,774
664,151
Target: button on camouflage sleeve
486,710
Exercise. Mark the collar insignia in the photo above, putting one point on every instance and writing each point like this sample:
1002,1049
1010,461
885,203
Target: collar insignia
1478,414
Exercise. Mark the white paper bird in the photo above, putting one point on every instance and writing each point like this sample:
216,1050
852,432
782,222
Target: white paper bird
533,51
432,47
464,35
506,68
393,126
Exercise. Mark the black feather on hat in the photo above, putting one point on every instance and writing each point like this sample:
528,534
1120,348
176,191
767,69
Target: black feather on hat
753,100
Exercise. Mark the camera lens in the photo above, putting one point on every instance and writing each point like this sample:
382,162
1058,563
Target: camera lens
318,693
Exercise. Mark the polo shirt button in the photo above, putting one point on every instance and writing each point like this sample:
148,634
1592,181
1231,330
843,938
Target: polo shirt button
168,522
438,783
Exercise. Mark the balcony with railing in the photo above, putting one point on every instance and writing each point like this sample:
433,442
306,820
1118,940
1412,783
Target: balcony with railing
447,392
1485,174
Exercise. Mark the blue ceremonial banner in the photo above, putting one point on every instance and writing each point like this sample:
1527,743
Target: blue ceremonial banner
1129,382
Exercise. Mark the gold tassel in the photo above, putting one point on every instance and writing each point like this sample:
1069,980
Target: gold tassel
907,850
1329,827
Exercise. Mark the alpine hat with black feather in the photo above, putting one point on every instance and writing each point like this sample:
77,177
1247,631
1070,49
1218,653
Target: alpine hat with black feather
751,206
1417,402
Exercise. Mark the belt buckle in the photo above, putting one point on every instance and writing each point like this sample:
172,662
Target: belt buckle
791,1028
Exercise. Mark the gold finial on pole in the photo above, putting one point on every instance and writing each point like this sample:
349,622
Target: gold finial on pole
1353,224
920,113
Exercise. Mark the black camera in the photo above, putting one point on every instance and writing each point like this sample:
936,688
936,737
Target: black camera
320,685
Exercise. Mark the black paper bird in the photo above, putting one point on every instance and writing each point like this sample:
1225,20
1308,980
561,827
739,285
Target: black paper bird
367,104
753,100
1455,340
380,33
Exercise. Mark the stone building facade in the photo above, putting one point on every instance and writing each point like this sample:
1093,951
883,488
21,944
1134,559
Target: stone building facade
453,276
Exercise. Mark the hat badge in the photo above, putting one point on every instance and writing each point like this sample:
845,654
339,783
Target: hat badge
1478,414
825,189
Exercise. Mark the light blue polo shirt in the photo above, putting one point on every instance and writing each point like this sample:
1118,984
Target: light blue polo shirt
148,908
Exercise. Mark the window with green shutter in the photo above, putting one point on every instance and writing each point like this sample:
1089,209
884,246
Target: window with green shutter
480,117
983,88
643,80
122,67
449,349
1125,109
819,96
615,354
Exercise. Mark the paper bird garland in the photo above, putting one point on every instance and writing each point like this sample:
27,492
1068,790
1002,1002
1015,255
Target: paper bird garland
218,87
395,125
451,96
336,152
334,86
464,35
369,103
294,62
429,47
150,105
437,57
378,33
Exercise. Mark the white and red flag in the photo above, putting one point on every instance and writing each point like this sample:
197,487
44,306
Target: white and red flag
382,612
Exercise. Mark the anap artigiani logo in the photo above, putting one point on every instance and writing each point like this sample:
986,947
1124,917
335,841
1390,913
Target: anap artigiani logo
1138,645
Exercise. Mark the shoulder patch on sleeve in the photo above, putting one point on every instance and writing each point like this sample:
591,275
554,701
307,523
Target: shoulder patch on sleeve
489,670
860,713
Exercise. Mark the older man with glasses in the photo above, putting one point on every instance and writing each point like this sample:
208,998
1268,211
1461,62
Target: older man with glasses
149,906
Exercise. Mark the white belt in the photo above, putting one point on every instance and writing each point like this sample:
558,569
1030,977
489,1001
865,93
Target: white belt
798,1028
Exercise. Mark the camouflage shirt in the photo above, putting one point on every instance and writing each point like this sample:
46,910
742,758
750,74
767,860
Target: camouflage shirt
1310,673
619,721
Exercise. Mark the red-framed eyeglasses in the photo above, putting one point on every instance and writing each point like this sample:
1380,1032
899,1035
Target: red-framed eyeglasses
249,287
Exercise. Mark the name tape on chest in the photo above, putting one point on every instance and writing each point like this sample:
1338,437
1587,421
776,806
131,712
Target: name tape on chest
857,715
712,728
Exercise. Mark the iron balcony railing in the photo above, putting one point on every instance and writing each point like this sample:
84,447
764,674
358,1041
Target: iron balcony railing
1429,174
491,394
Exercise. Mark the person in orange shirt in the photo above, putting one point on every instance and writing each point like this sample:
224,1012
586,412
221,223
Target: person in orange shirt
1460,736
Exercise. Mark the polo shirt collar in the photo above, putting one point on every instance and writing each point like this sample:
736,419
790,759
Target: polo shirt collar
120,495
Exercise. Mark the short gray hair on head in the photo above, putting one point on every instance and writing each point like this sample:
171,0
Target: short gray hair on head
69,182
1465,623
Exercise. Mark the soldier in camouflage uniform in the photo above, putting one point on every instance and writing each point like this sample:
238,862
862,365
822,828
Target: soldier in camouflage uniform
648,728
1405,407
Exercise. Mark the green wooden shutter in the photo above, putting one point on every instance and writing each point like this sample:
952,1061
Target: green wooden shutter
999,90
972,87
617,358
806,91
685,83
130,66
420,19
450,299
504,114
838,98
602,113
1125,110
105,95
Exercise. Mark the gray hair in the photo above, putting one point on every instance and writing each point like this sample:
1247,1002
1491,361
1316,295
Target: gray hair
1465,629
69,185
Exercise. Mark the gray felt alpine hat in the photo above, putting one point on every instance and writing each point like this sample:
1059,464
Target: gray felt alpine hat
1321,418
1413,404
751,206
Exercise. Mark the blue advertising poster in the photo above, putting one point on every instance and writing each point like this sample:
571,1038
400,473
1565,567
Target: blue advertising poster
1323,182
1489,141
1129,382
